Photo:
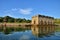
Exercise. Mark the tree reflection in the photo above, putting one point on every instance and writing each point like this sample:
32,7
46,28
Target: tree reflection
8,30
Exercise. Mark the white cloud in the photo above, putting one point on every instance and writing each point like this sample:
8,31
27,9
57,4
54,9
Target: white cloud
15,11
10,12
25,11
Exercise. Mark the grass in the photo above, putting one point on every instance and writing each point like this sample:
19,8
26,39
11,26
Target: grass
57,28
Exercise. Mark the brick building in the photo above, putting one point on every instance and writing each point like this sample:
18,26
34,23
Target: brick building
42,24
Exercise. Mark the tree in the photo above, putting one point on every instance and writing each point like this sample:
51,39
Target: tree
11,19
1,19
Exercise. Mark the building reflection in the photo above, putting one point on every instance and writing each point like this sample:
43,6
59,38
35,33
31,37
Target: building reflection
40,31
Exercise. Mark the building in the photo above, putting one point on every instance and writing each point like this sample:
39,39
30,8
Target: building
42,24
42,20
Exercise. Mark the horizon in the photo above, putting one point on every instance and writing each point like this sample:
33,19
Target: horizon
31,17
28,8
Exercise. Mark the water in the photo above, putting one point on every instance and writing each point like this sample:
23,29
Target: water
28,35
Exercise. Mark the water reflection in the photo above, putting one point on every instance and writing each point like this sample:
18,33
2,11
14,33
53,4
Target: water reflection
31,34
8,30
41,31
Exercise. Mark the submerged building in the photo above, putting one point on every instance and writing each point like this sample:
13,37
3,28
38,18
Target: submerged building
42,20
42,24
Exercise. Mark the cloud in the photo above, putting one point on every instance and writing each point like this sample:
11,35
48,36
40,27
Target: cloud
17,11
11,12
25,11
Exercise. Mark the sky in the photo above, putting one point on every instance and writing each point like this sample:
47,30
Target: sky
28,8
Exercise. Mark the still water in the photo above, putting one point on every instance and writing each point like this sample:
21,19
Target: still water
28,35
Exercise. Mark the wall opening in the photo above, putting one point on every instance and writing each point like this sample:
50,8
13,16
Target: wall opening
34,21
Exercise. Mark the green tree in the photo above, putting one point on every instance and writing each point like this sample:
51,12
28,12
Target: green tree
1,19
11,19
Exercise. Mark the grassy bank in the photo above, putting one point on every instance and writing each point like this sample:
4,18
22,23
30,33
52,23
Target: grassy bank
57,28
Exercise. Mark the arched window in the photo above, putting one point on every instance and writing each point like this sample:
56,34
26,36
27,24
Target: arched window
48,22
45,22
52,22
41,22
34,21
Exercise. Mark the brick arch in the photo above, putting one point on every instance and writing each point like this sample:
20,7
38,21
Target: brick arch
34,22
41,21
48,22
45,22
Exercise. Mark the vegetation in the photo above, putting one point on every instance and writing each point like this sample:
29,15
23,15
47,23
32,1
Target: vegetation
57,28
57,21
11,20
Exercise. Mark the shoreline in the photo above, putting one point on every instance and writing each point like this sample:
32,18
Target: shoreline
14,24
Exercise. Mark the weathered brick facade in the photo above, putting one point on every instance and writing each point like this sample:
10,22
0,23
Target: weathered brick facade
41,19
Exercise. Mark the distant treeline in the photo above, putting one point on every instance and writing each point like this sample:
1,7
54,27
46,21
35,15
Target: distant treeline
57,21
11,20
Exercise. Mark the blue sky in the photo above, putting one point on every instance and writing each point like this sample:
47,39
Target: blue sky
28,8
